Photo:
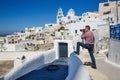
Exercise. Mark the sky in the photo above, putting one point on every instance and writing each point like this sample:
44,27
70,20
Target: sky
15,15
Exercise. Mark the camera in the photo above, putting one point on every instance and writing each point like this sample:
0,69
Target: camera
82,30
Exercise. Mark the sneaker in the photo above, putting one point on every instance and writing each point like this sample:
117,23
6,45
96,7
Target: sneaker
87,63
76,52
94,67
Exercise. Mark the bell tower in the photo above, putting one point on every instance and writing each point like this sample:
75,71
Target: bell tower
59,16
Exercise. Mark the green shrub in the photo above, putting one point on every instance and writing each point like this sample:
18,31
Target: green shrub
61,28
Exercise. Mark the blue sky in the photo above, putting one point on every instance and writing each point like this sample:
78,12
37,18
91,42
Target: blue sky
15,15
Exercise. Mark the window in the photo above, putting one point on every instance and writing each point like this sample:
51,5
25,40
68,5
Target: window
60,23
93,29
60,20
67,33
111,19
108,12
79,18
106,4
76,31
59,17
4,40
59,13
50,25
68,17
12,40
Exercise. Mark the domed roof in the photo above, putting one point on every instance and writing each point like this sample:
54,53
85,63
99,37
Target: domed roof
71,11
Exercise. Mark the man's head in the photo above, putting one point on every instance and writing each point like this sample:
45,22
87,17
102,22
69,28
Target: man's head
87,28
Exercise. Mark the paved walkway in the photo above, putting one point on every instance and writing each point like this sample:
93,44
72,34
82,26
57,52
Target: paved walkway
104,71
111,71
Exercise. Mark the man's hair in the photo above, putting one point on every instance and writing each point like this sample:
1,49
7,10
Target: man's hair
87,26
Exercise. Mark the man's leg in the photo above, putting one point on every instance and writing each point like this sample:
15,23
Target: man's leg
92,58
78,46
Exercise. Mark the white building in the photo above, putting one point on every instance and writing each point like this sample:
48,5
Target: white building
70,17
2,48
74,23
22,36
12,39
48,28
10,47
33,30
1,41
10,42
88,18
109,10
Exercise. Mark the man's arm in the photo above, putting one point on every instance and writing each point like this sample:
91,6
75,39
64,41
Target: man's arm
83,36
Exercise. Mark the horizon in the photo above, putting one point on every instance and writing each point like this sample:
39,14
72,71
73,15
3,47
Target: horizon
16,15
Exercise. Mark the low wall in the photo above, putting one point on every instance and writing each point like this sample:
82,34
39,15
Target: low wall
10,47
77,71
114,51
12,55
31,64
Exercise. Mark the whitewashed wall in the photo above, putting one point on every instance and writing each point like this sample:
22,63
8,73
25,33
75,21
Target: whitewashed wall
81,25
10,47
77,70
103,31
114,51
56,46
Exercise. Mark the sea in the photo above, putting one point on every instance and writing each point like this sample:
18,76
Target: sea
5,33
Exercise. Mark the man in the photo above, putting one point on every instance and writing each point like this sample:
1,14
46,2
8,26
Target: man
88,36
